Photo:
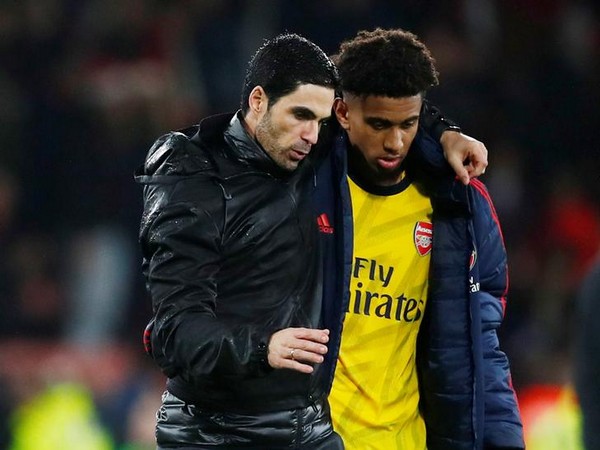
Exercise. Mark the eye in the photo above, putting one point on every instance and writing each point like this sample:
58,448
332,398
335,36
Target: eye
378,124
408,125
302,114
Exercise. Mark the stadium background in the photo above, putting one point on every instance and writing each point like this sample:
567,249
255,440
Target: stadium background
87,85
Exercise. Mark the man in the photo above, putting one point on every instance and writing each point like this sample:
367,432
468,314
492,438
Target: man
232,261
419,364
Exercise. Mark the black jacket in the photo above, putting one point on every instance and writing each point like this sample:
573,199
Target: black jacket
230,248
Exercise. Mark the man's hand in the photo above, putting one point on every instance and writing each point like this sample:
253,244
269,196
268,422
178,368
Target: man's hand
467,156
297,348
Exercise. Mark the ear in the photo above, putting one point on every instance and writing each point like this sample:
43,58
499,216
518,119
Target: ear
340,109
258,100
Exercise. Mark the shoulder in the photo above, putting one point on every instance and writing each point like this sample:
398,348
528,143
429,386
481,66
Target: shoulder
481,199
174,153
485,218
187,151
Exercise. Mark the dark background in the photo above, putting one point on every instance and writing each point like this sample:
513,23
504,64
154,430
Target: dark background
86,87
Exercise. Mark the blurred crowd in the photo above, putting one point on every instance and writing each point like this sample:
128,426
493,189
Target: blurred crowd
86,87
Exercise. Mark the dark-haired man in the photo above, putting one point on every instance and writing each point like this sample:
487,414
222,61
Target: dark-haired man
232,261
419,365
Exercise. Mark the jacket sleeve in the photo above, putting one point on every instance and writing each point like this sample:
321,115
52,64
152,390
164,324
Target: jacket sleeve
426,148
433,121
180,240
503,428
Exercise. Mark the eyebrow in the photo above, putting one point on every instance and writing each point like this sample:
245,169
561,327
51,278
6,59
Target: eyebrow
386,122
305,112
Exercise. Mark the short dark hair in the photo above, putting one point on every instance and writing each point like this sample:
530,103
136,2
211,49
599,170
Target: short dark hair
391,63
285,62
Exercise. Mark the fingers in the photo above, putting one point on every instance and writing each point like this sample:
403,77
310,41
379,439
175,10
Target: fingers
462,172
477,155
468,157
310,334
477,167
297,348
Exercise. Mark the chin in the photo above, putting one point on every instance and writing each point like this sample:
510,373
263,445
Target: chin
290,166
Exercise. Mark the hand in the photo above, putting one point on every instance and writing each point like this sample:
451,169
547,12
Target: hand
297,348
460,149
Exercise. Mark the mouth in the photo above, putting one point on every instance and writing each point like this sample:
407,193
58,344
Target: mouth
298,154
389,163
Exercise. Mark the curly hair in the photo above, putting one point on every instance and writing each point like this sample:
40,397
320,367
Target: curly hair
391,63
285,62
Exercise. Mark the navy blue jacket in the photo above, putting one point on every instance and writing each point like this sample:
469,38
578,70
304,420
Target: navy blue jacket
467,398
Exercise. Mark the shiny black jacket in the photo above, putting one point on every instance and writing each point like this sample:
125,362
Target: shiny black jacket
230,248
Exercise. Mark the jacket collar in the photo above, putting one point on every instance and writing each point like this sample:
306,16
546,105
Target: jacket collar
248,150
431,175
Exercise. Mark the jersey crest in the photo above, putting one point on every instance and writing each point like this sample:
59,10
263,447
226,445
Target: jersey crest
423,237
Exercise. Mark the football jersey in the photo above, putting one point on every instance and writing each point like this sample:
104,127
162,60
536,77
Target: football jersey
375,394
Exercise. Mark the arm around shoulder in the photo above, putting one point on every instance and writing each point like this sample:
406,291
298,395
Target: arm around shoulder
467,156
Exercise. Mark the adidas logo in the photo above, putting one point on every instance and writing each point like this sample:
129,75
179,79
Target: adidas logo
324,225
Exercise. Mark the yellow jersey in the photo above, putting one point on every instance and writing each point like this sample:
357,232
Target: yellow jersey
375,394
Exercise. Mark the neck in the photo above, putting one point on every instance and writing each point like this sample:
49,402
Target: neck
249,121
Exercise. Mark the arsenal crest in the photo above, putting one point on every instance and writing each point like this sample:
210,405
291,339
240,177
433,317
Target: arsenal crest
423,237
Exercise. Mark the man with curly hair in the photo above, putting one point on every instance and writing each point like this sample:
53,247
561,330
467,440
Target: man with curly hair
419,363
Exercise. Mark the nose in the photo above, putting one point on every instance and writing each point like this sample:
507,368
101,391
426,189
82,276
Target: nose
393,140
310,132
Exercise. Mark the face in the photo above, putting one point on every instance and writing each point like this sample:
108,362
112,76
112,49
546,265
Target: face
380,130
290,127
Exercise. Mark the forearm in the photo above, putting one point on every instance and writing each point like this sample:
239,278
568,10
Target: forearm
199,344
467,156
182,247
434,122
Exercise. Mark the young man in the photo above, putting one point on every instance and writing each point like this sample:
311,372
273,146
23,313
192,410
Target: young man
419,365
232,261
